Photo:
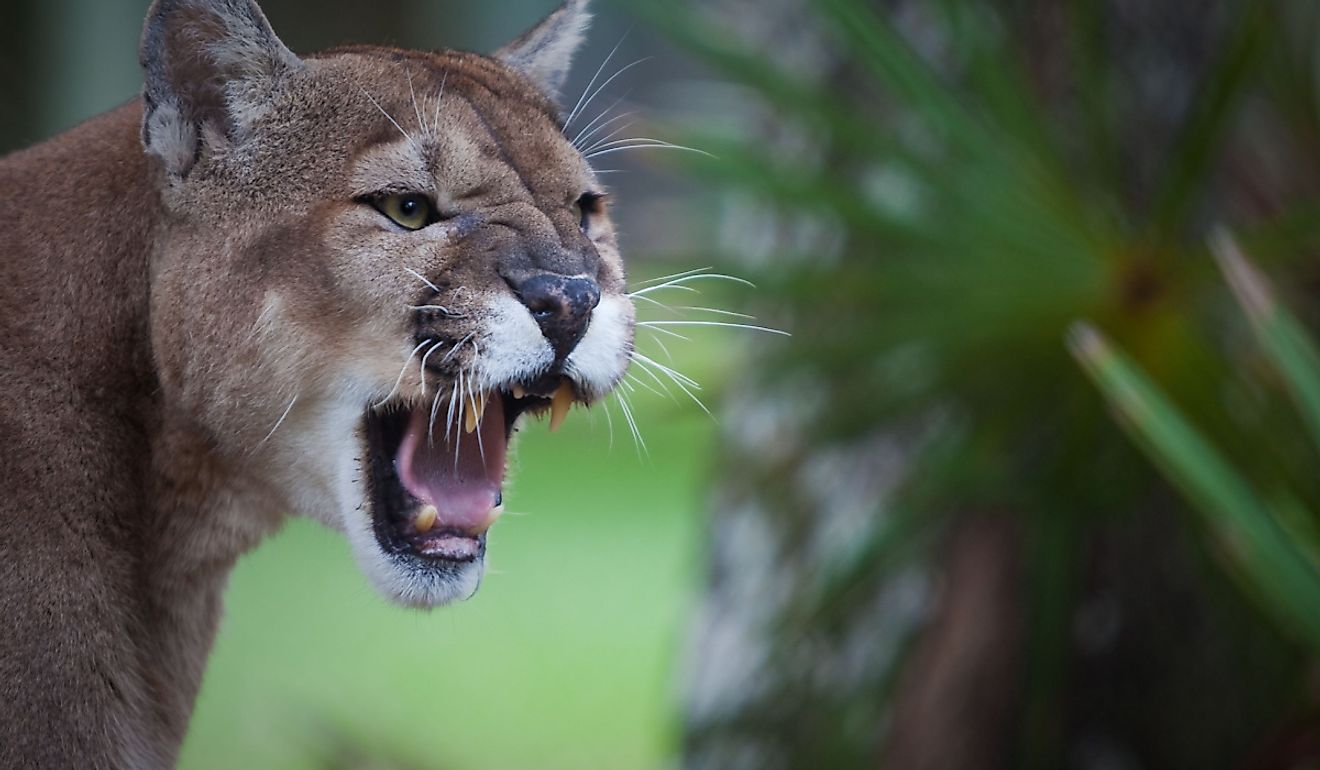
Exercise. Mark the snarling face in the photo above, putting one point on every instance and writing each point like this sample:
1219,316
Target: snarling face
396,256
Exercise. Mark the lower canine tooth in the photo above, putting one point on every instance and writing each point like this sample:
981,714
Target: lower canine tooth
426,519
518,391
559,406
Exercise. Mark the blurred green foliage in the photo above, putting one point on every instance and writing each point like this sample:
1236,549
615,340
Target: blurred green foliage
980,195
1269,540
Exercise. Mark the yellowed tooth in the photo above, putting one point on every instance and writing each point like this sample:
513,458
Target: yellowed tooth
426,519
559,406
495,514
518,391
476,408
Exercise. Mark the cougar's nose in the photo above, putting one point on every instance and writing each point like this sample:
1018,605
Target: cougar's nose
562,306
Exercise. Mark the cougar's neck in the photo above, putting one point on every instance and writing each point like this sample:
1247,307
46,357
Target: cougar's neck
78,218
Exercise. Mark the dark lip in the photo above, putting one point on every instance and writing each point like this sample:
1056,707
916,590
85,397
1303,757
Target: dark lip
391,506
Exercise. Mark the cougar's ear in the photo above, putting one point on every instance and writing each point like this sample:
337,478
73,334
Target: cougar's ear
546,51
209,66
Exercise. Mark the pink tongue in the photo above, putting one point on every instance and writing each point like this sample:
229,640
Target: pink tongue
460,475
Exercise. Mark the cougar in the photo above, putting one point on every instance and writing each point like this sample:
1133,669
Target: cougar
274,285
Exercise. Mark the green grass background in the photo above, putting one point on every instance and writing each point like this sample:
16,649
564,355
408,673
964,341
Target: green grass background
566,657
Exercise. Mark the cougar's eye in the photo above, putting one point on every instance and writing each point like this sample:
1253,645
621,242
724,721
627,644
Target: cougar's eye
411,211
589,203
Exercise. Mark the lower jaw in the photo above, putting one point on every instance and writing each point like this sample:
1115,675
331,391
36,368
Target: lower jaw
414,581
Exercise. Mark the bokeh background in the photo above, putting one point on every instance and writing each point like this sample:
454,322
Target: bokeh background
1033,483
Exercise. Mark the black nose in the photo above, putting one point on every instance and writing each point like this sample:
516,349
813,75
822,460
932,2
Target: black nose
562,306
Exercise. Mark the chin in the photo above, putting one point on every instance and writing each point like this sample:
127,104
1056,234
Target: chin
413,581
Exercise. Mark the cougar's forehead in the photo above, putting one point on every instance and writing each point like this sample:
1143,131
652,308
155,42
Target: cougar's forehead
463,124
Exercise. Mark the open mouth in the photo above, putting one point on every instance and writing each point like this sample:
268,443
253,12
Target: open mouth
435,472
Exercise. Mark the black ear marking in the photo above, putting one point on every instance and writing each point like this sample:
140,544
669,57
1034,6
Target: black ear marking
545,52
193,55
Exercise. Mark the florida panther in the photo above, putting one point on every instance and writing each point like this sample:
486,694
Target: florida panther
324,285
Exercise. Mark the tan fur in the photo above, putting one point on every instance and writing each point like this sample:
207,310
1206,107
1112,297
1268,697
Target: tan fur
189,337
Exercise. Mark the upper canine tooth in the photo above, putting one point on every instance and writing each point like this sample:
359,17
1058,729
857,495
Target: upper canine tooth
426,519
473,415
559,406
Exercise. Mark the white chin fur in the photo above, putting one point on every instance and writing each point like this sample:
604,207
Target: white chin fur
410,584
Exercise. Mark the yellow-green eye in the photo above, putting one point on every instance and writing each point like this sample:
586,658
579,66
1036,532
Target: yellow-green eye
411,211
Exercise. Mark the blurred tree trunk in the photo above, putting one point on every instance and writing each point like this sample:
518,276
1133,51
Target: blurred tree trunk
835,634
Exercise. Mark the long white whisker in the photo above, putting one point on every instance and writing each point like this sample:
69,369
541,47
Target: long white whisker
421,124
664,278
655,302
463,405
586,136
611,151
640,140
599,143
423,279
632,424
279,422
430,425
422,368
577,140
609,422
611,79
682,282
640,383
663,387
481,449
459,395
694,308
673,374
640,293
716,311
663,347
666,332
721,324
388,117
679,380
449,416
608,141
456,348
577,108
399,380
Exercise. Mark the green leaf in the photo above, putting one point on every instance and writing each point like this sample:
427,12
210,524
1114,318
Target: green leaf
1284,340
1245,526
